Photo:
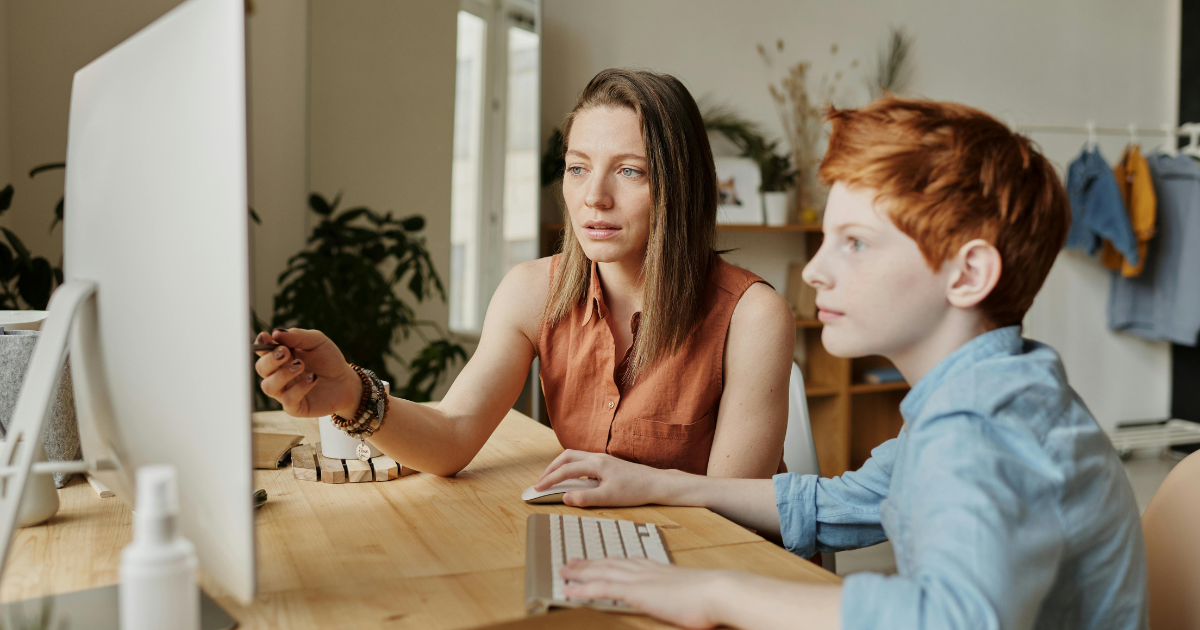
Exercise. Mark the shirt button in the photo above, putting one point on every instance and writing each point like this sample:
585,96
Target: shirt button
610,404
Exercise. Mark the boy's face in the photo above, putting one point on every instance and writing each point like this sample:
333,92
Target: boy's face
875,292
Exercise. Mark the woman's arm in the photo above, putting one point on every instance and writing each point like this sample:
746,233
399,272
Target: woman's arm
752,418
443,439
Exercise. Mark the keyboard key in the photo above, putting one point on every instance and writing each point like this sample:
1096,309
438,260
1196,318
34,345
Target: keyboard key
612,539
592,541
629,536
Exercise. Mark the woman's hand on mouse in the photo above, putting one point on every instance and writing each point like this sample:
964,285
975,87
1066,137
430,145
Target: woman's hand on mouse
307,374
622,483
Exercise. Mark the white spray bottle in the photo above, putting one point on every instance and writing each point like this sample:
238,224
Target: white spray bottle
158,569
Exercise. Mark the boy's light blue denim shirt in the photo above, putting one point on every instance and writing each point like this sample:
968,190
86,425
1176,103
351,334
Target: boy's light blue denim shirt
1004,501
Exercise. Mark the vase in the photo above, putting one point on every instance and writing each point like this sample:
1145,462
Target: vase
775,205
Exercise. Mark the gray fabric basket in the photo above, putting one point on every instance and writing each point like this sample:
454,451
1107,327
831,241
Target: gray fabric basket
60,433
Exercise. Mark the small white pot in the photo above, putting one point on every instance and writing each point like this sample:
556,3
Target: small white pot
775,207
335,444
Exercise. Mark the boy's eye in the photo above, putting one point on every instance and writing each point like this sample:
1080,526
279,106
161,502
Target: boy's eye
855,244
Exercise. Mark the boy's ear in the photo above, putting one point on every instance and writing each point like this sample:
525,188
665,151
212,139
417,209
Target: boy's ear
976,270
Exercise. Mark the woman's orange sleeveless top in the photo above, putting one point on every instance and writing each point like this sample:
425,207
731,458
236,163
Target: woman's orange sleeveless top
668,417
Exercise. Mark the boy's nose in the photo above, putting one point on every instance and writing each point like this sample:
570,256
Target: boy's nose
814,273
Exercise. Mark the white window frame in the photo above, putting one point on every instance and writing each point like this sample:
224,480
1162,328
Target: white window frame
498,15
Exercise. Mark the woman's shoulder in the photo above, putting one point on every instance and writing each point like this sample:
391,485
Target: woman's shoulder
521,296
733,279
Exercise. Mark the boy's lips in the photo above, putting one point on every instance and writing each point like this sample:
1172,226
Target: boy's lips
827,315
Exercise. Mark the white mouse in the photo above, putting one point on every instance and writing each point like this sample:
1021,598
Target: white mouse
554,494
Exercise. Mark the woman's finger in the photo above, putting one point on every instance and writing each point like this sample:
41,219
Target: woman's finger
574,470
275,383
294,395
564,457
271,361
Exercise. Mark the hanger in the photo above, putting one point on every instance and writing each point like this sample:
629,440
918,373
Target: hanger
1091,135
1193,146
1170,146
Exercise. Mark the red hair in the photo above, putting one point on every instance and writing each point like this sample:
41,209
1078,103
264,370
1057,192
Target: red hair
950,174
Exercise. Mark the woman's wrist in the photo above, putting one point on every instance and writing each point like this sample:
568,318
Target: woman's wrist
675,487
352,393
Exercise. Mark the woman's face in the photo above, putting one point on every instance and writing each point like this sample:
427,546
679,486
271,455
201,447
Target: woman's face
607,185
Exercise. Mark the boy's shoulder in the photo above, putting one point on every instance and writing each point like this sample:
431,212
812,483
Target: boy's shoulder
1022,387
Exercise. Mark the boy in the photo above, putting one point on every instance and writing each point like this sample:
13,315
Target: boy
1004,501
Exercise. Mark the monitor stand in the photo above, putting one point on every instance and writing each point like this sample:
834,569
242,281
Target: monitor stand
96,609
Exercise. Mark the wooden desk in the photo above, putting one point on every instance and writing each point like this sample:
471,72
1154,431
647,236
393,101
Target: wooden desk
417,552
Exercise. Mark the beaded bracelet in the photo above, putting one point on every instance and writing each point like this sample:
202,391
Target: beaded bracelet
372,409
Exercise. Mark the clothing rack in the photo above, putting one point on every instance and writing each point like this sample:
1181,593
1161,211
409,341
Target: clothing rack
1191,130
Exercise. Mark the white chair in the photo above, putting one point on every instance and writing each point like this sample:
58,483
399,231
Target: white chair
799,450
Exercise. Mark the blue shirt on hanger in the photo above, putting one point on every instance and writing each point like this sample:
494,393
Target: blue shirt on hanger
1163,302
1097,211
1003,499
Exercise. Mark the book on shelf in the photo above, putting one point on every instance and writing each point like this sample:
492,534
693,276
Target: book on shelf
879,376
801,297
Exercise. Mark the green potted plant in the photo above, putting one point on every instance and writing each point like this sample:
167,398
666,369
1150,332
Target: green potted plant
345,284
775,167
26,281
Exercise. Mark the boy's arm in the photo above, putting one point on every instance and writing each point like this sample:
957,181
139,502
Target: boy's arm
810,513
981,539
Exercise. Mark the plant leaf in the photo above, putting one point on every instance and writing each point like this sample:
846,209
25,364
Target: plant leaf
414,223
36,283
319,205
17,245
6,197
7,264
46,167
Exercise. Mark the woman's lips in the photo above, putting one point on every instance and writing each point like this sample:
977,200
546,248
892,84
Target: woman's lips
827,316
599,230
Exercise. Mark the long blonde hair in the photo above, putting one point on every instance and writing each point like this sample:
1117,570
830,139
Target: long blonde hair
683,225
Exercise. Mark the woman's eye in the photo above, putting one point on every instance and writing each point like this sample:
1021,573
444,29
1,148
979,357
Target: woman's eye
630,172
575,170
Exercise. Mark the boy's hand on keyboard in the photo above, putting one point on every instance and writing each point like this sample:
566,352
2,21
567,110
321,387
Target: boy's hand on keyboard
684,597
307,374
622,483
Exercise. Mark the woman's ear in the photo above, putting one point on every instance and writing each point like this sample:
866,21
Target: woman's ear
977,268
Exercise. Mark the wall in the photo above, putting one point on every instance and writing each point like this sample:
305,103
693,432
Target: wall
277,56
1028,62
44,44
381,115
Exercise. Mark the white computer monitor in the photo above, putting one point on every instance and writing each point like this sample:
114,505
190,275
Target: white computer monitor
156,299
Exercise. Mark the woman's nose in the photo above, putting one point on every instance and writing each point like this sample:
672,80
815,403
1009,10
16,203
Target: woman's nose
598,195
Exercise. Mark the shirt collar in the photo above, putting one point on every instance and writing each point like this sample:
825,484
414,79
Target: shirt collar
595,298
1002,341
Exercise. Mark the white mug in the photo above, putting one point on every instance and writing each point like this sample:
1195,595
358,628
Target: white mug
335,444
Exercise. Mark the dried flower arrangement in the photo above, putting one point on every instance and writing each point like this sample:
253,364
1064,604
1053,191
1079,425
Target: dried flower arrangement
802,118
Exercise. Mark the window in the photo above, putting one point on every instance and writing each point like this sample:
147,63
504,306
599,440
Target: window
496,189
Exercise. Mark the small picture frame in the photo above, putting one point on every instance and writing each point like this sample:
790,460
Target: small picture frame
739,201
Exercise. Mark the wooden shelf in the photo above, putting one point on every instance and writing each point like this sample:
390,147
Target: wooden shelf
809,227
809,323
870,388
820,390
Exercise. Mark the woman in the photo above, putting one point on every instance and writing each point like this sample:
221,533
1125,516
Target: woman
652,348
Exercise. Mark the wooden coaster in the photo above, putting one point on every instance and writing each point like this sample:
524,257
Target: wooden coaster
308,464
